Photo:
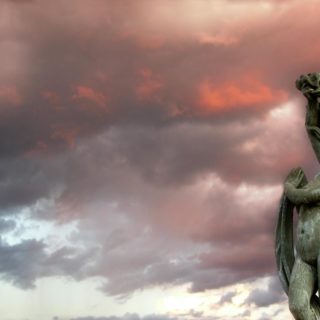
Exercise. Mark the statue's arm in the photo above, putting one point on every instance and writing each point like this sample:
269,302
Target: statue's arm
295,188
303,195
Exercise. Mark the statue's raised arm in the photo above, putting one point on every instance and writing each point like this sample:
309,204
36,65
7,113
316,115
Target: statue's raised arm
309,85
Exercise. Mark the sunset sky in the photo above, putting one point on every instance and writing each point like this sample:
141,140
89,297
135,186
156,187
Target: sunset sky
143,148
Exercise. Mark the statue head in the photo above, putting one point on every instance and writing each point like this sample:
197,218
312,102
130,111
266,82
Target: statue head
309,85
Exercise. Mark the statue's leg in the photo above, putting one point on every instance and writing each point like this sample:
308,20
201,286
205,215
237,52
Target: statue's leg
302,285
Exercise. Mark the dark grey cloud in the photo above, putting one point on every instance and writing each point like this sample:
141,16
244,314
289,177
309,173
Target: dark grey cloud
265,297
150,224
26,180
20,263
173,155
135,218
23,263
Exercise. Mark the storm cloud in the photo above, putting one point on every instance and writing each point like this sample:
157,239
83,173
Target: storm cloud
164,138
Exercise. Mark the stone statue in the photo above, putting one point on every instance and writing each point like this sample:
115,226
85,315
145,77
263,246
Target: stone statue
299,270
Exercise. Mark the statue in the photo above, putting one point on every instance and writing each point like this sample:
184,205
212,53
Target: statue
299,271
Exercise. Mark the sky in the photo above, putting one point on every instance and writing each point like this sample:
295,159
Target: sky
143,147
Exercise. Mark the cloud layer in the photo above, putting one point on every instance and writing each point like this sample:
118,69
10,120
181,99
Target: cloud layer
163,130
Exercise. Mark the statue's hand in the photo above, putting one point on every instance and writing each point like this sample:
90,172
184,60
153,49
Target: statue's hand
296,178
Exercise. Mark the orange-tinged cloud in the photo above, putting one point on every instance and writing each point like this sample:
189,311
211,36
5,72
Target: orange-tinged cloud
87,93
247,92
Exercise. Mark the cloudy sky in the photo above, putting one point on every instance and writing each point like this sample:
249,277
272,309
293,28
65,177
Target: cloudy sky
143,146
